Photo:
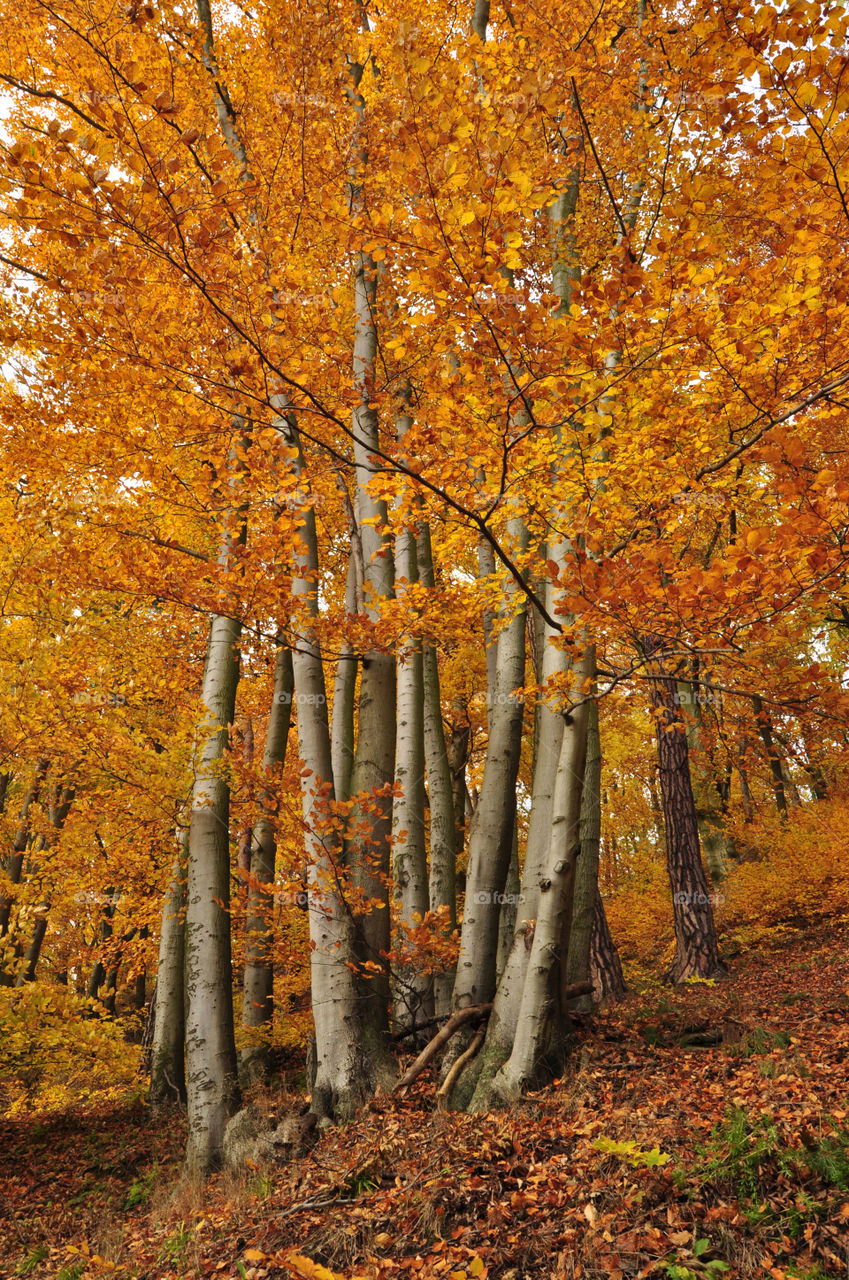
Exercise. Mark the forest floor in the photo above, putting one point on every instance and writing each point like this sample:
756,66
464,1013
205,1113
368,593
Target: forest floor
649,1158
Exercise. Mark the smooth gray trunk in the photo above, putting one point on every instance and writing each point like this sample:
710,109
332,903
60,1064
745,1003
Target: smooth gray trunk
344,697
343,1077
586,874
491,834
367,850
167,1058
413,991
442,890
258,991
541,1024
211,1072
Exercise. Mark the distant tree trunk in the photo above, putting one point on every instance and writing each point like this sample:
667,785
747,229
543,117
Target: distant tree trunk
458,747
605,965
258,995
586,892
167,1058
63,797
344,693
211,1069
111,991
697,951
13,864
765,731
98,972
746,791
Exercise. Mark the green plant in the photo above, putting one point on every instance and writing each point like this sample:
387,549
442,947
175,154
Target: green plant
758,1041
72,1272
360,1184
36,1255
748,1156
140,1189
175,1246
677,1270
261,1186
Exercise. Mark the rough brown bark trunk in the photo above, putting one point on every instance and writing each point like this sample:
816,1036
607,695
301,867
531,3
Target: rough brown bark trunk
696,949
605,966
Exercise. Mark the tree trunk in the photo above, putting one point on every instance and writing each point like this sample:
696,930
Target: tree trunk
63,797
696,951
344,695
344,1078
442,889
98,972
13,865
167,1058
605,965
258,996
475,1082
541,1024
211,1072
367,851
765,731
586,876
509,911
413,991
706,785
491,835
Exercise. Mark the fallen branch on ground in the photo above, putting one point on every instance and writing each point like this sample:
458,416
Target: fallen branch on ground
431,1049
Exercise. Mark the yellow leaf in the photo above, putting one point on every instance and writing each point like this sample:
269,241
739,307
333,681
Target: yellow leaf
308,1269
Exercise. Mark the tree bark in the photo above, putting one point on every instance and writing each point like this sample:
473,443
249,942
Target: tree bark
211,1069
167,1058
696,948
344,1078
367,851
541,1024
586,876
773,756
491,835
442,887
413,991
605,966
258,994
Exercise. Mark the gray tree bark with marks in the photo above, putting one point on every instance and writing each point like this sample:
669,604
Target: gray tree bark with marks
258,989
167,1058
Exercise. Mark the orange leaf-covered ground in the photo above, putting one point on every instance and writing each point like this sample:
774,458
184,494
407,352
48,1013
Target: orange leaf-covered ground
409,1190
